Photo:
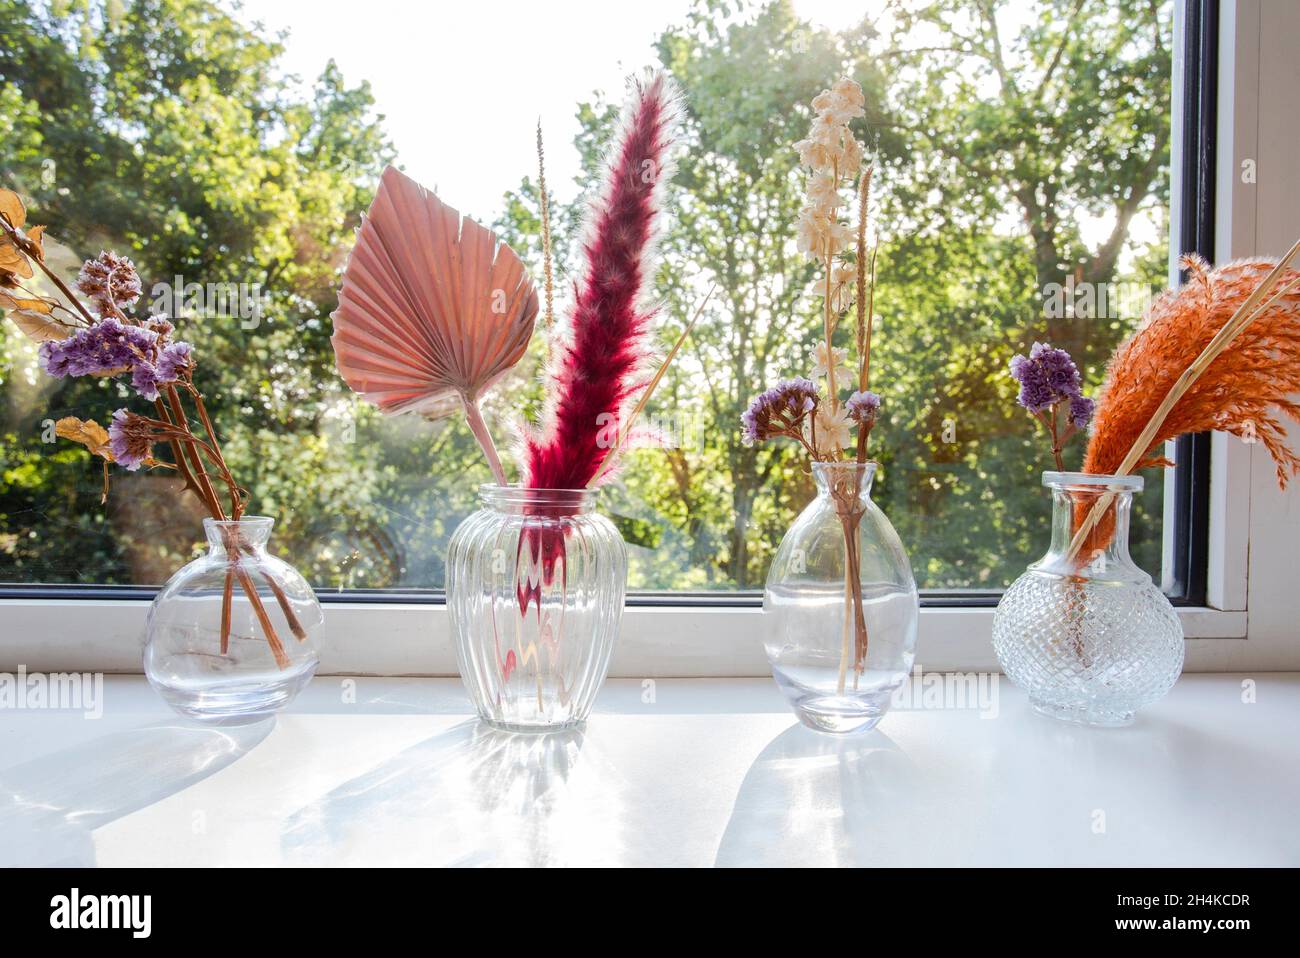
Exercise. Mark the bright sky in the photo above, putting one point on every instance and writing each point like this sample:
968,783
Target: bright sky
462,84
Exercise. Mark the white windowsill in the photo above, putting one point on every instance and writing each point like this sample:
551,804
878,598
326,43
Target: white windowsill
385,771
380,639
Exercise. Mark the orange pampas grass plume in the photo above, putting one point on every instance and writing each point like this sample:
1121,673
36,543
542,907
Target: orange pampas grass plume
1245,390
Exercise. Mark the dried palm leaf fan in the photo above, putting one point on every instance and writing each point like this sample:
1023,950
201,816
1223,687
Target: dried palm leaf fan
433,307
1221,353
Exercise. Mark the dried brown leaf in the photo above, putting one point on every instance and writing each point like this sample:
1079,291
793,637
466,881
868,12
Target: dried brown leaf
34,316
36,236
88,432
12,208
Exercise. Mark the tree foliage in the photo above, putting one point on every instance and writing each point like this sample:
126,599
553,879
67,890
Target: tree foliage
1013,152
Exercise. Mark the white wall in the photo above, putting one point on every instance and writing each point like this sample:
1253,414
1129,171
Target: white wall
1259,121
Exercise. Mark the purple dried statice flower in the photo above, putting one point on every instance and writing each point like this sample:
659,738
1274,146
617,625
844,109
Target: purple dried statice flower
160,324
780,410
110,282
1081,410
105,349
863,408
145,381
110,348
130,440
1046,376
176,360
1049,378
1058,368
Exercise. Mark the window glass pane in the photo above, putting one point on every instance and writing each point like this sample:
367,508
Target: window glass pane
1021,194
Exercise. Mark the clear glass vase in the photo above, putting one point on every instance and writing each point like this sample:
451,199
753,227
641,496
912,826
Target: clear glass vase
1084,631
840,605
232,637
535,582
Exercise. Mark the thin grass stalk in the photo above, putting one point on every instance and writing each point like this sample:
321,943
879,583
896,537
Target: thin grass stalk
626,428
845,494
845,639
828,326
863,312
548,318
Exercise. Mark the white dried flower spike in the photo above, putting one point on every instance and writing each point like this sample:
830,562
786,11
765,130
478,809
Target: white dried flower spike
839,355
819,233
824,192
844,278
833,431
814,154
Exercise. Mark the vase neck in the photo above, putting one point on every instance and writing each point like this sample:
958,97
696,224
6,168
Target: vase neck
550,502
1103,550
841,480
248,535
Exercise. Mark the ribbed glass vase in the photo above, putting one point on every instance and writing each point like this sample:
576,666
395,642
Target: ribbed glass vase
535,583
1084,631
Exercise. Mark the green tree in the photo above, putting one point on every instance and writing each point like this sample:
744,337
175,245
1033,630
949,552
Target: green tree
1068,110
165,128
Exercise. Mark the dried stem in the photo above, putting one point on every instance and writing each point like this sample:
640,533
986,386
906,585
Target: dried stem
547,262
200,486
845,495
477,426
178,419
864,331
864,380
1051,422
626,428
236,500
227,598
846,639
295,624
234,548
33,254
246,583
182,465
829,329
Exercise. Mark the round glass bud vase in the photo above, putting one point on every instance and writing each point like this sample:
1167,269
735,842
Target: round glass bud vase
232,637
1084,631
840,605
535,582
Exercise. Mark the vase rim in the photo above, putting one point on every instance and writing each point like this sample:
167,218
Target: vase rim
513,495
844,465
1090,480
242,522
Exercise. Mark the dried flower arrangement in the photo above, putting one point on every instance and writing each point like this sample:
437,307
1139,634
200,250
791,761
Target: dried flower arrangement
824,423
433,305
1222,353
102,339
